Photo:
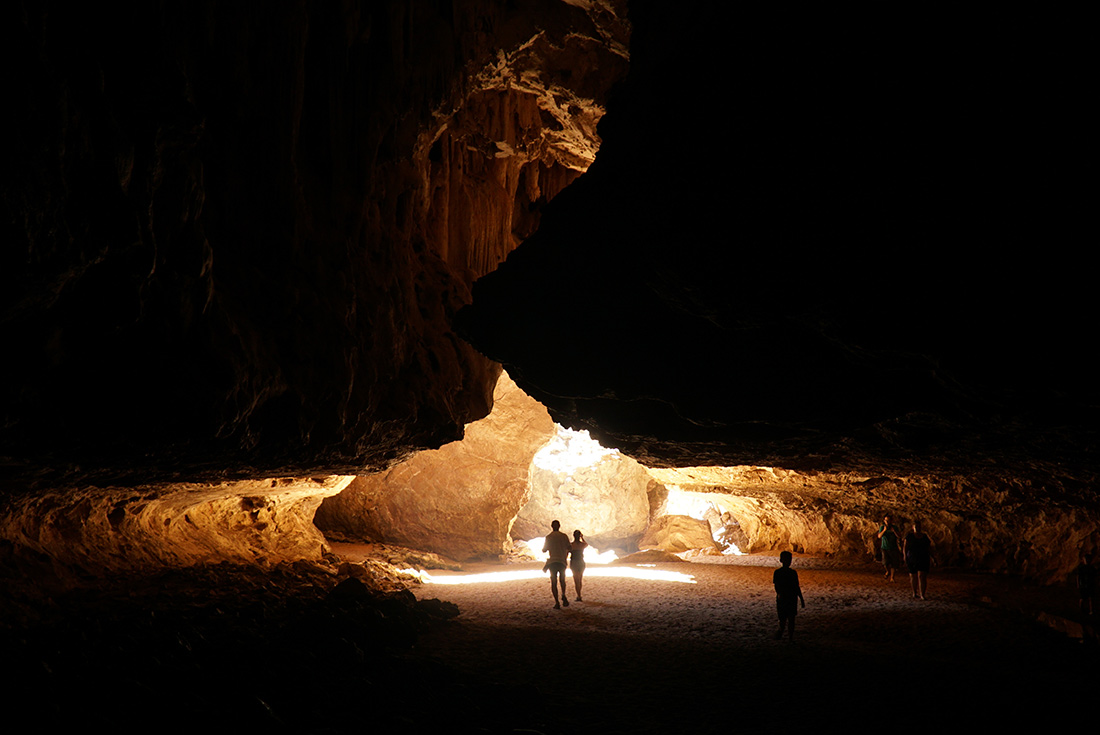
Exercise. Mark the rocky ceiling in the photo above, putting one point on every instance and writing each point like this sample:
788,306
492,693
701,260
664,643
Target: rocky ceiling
241,245
828,247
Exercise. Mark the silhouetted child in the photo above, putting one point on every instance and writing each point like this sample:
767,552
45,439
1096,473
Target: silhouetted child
787,594
1086,583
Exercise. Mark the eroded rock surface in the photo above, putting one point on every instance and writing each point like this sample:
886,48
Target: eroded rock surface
235,237
676,533
98,531
459,500
980,523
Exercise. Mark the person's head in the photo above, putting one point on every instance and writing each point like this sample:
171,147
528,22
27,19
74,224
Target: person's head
785,558
886,519
916,526
1086,557
555,525
577,535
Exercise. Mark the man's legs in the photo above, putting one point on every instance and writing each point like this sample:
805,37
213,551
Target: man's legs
557,576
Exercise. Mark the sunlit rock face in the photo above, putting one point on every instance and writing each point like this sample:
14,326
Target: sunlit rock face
235,236
101,531
588,488
977,524
459,500
676,533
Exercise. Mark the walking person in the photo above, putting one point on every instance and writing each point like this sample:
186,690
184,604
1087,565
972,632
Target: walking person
918,558
889,541
557,544
576,561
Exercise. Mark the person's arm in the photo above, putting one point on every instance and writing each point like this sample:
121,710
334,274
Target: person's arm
798,587
881,531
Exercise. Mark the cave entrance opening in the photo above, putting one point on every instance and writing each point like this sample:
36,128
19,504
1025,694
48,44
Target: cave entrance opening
614,501
642,571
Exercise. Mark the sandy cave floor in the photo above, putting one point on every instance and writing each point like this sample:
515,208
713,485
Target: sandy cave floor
659,656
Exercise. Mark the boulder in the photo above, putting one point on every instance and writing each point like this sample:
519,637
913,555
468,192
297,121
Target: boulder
677,533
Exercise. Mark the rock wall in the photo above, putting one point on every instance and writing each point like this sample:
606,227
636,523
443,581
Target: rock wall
235,236
100,531
459,500
990,523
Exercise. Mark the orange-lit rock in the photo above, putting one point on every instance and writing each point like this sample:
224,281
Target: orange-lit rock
458,500
110,530
981,523
677,533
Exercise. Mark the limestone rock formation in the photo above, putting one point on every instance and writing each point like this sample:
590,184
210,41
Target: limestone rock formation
240,243
235,237
99,531
978,523
459,500
677,533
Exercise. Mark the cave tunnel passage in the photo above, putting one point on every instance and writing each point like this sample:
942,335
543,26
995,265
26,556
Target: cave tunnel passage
493,495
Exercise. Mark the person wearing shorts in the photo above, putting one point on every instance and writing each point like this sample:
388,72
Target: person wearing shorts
889,543
557,544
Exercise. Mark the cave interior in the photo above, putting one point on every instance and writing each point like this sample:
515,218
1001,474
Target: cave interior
278,281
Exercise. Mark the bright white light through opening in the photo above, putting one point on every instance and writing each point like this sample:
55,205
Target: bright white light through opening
591,555
656,575
680,503
569,451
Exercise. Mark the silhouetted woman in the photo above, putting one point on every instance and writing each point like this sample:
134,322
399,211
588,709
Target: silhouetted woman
918,557
576,561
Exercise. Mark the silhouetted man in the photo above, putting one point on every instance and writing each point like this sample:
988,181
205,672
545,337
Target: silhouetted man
557,543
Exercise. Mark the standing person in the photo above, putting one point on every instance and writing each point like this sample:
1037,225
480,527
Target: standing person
787,594
918,558
557,543
1086,582
891,549
576,562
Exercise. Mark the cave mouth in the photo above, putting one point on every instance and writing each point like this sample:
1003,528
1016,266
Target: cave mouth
567,456
494,494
